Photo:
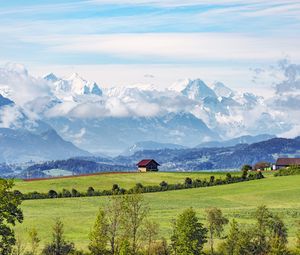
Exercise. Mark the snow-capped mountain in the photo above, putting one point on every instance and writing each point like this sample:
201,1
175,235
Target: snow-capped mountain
110,120
221,90
198,90
114,134
73,85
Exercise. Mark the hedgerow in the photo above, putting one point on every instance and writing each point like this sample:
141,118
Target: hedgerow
163,186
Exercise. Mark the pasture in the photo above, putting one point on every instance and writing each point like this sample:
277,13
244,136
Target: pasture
105,181
239,200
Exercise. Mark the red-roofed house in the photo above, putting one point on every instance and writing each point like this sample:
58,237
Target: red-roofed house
285,162
147,165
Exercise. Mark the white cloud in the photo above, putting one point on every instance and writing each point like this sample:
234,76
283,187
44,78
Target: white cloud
22,88
9,117
292,133
175,46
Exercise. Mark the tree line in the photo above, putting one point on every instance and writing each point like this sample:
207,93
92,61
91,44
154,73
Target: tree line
163,186
123,227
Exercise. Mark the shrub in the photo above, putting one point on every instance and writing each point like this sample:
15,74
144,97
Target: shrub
52,194
188,181
292,170
75,193
66,193
246,167
90,191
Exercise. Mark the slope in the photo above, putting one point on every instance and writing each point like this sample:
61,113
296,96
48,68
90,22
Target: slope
239,200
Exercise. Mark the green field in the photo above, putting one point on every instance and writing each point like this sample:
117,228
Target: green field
280,194
106,181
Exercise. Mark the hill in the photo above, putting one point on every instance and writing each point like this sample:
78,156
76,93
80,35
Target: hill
245,139
21,146
217,158
239,200
106,181
232,157
150,145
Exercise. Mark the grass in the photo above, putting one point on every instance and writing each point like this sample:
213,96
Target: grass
106,181
280,194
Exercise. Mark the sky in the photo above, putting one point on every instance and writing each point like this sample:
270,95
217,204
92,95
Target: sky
119,42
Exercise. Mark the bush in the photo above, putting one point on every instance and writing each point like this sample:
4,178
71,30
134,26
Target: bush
246,167
66,193
188,182
52,194
75,193
139,188
163,184
292,170
90,191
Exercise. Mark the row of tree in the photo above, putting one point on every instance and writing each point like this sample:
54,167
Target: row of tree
163,186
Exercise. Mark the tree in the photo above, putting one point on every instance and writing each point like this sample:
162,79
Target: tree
163,184
66,193
278,236
246,167
150,233
52,194
228,177
58,246
98,235
75,193
34,241
114,211
188,181
262,216
216,222
246,242
90,191
10,213
135,212
230,245
189,235
115,188
245,174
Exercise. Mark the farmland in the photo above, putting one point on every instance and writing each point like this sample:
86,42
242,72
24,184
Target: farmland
239,200
106,181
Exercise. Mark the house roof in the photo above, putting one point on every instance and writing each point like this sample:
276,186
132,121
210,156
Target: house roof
145,162
288,161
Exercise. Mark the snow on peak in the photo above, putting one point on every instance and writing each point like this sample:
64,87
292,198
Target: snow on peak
179,85
198,90
221,90
51,77
73,85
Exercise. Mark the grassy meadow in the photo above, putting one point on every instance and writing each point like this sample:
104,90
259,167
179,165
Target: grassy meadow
105,181
239,200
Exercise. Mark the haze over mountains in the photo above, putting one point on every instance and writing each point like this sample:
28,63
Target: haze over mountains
112,120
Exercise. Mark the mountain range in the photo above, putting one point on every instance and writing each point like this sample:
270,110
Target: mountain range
111,120
193,159
217,158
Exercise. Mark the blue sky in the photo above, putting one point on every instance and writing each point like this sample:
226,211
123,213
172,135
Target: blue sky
209,39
